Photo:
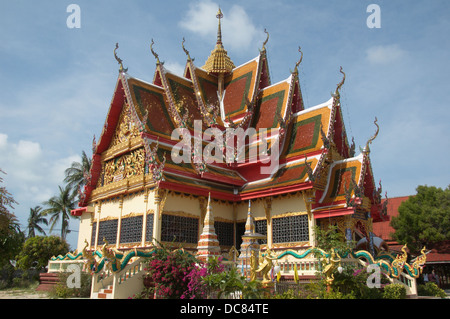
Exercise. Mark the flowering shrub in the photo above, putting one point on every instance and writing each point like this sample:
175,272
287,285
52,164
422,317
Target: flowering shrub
198,288
177,274
168,271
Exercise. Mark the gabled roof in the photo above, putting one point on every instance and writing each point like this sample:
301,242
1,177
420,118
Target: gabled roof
312,143
305,136
151,98
106,136
349,187
339,179
241,87
290,177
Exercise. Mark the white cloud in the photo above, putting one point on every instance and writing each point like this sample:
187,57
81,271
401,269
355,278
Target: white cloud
385,54
200,18
32,177
238,29
175,68
27,150
3,141
57,168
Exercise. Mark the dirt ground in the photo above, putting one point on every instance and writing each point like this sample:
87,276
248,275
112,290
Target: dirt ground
22,294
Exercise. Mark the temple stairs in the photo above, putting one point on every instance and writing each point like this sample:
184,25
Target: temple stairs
47,281
104,293
119,285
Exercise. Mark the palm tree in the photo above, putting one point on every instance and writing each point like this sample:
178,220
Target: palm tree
78,173
59,207
36,218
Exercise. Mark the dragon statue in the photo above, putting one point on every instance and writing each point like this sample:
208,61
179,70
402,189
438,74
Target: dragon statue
330,265
110,256
91,262
417,267
266,266
399,262
393,265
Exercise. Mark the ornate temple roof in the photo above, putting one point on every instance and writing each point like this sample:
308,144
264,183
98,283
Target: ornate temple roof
314,153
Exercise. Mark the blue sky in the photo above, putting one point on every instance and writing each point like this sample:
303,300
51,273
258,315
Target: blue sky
57,82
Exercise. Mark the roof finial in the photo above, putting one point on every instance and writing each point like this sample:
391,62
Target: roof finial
299,61
366,149
185,50
119,60
219,29
267,39
340,83
154,53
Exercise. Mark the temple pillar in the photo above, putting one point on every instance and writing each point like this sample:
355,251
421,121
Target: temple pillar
119,222
308,199
160,198
144,218
268,212
97,226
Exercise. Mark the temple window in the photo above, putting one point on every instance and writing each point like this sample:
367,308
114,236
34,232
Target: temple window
179,229
149,228
225,233
290,229
261,228
240,230
131,229
108,230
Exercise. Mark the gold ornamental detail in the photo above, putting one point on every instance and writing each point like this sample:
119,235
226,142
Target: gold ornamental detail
123,167
126,128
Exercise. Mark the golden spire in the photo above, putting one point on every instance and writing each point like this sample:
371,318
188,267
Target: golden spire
219,29
219,62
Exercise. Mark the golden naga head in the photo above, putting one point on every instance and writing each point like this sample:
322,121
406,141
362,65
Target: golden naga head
119,60
366,149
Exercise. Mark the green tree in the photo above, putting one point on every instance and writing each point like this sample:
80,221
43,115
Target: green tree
77,174
7,202
37,251
34,220
423,219
331,237
59,208
11,237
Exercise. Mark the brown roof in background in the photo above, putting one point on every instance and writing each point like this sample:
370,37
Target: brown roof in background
440,253
384,229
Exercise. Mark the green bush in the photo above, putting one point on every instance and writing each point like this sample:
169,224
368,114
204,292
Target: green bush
430,289
38,250
394,291
60,290
352,282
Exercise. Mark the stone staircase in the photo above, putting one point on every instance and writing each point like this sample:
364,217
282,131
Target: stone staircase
120,285
104,293
47,281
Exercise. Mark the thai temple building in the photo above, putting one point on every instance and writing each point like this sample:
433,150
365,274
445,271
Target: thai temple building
221,157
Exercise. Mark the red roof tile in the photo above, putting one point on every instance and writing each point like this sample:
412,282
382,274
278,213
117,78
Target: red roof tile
384,229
